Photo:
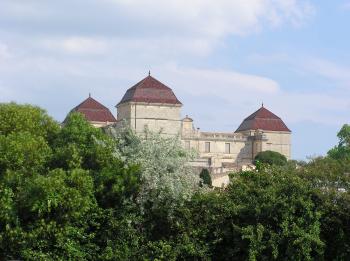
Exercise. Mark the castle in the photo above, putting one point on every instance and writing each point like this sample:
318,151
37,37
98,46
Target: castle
151,104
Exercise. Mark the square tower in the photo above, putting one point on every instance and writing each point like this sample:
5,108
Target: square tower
266,131
150,104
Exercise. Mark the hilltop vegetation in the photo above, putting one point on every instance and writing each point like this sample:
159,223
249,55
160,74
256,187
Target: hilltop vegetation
77,193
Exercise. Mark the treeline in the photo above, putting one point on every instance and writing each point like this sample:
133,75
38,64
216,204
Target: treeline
79,193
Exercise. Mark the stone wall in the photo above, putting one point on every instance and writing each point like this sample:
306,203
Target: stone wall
279,142
155,117
219,152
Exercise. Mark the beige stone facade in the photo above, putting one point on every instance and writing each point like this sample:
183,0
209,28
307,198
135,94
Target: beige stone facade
152,105
227,152
164,118
220,152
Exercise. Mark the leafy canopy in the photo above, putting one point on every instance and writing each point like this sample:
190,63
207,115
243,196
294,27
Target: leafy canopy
342,150
271,158
74,193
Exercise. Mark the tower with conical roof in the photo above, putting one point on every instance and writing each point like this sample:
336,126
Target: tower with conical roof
152,105
266,131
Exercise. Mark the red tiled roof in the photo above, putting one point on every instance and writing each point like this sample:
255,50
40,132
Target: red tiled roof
150,90
94,111
263,119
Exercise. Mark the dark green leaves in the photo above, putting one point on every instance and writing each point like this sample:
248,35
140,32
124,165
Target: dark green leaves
271,158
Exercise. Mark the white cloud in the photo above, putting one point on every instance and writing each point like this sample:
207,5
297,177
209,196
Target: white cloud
245,92
197,25
216,82
216,18
338,73
4,52
230,95
77,45
53,53
163,47
240,92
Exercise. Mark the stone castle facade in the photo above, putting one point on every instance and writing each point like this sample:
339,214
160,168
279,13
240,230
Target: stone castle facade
151,104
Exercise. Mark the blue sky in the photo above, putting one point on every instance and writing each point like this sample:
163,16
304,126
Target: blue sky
222,58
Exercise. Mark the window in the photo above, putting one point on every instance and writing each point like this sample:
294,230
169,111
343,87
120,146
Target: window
207,147
227,148
187,145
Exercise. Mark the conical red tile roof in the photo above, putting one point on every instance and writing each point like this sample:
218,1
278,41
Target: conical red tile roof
94,111
263,119
150,90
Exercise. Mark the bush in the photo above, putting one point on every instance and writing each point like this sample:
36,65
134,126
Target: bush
271,158
206,178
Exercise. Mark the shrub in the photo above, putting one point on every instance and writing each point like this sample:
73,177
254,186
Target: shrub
271,158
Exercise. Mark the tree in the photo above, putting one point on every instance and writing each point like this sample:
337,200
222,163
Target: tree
78,144
17,118
271,158
167,179
260,216
61,188
54,213
23,152
344,135
274,217
75,193
206,178
342,150
331,180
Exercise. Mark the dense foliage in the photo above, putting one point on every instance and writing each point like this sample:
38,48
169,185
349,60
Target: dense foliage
205,178
167,180
271,158
77,193
342,150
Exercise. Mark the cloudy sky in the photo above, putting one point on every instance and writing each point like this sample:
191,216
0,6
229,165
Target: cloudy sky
222,58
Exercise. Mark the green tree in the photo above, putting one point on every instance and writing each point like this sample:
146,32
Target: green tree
78,144
75,193
342,150
331,180
206,178
61,188
274,217
23,152
344,135
16,118
271,158
261,216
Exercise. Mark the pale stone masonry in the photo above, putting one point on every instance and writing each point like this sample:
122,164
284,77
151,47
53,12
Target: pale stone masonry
152,105
156,117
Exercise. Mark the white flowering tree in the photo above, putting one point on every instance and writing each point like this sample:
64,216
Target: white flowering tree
167,179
